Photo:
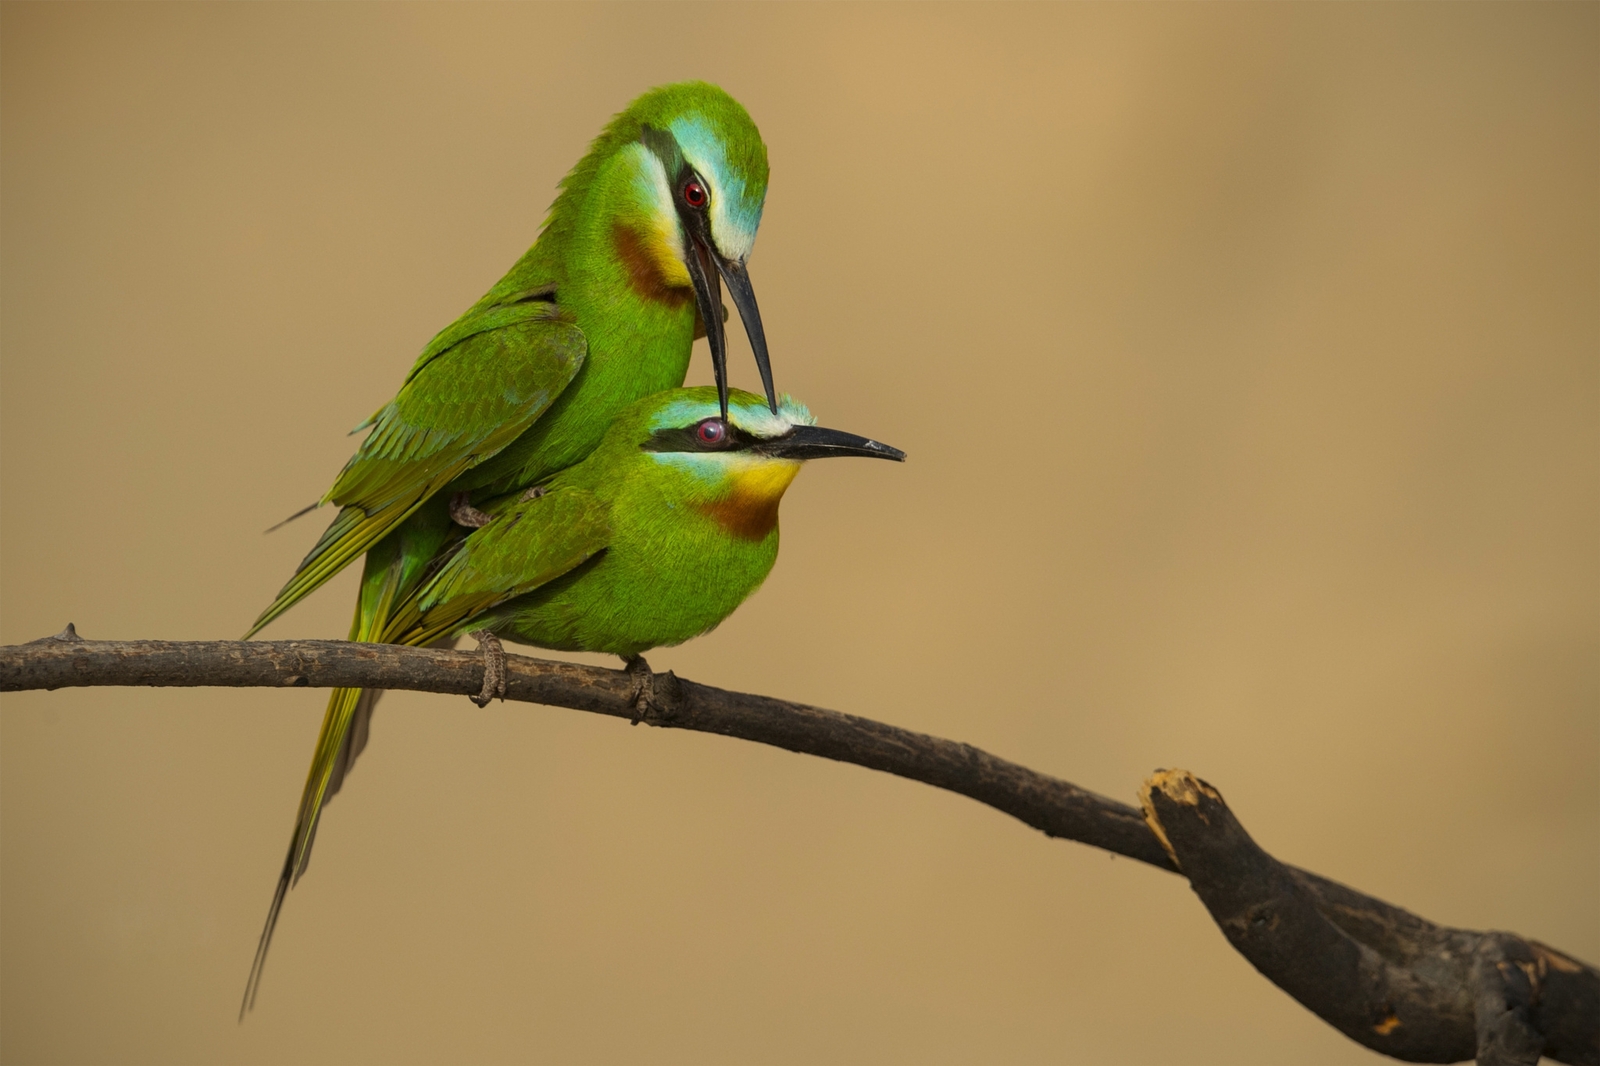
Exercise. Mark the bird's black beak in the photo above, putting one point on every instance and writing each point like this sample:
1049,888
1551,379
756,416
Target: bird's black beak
708,269
708,298
737,275
814,442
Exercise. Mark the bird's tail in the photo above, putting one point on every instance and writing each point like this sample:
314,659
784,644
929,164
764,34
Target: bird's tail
343,736
395,566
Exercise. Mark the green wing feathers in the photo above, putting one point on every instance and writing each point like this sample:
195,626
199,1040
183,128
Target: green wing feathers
500,370
530,542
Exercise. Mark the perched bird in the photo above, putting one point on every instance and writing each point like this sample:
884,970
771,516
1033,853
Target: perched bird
653,539
602,311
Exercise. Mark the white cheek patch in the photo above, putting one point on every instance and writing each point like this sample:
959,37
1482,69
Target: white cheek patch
733,240
714,470
655,192
719,472
699,464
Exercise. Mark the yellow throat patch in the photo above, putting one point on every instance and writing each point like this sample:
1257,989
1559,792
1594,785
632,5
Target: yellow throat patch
750,509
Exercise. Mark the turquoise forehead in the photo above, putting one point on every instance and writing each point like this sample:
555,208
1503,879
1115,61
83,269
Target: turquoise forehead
746,411
705,148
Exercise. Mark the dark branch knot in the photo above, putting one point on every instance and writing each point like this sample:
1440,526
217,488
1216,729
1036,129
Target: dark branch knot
68,635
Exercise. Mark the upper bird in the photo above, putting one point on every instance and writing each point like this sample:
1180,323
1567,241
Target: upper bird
601,311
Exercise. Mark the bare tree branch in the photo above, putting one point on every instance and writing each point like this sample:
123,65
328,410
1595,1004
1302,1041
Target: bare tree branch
1382,976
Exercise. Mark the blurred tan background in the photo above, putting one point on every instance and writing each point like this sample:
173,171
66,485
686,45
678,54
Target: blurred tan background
1247,361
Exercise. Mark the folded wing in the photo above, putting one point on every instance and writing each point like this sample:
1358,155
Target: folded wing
530,542
475,389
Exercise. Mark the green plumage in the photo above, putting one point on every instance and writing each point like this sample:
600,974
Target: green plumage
624,552
599,313
527,380
652,540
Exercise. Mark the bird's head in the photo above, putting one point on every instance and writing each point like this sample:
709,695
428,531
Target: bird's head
733,468
699,180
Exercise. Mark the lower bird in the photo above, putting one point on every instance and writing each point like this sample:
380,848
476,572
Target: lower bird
655,538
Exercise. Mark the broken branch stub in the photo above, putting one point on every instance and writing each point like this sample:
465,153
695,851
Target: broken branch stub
1382,976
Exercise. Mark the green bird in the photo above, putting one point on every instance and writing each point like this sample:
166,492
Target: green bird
602,311
655,538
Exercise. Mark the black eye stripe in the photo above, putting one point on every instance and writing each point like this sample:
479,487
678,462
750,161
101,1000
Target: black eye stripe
687,439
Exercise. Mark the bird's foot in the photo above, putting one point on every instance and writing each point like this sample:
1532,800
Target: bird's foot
643,697
655,698
494,667
535,492
462,513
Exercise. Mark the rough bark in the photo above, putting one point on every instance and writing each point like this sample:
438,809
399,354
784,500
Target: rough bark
1381,975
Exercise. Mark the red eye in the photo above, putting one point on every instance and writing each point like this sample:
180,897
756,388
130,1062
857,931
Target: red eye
711,431
694,194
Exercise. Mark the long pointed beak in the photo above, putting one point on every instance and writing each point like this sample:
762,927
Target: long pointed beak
737,275
708,297
815,442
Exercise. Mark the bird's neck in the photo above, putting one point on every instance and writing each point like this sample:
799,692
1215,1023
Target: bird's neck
741,499
626,244
612,243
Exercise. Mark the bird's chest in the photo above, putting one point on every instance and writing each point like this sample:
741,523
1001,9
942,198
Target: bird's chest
691,574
